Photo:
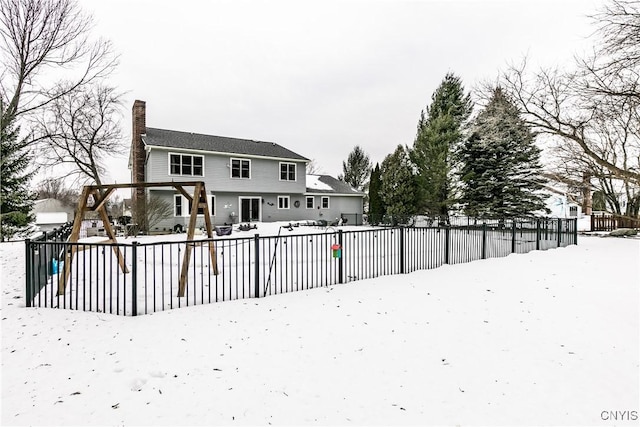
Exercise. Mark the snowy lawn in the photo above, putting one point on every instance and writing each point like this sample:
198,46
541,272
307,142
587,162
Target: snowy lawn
544,338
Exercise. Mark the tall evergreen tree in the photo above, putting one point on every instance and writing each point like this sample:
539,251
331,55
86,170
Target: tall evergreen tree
376,207
356,169
16,199
501,168
440,133
397,189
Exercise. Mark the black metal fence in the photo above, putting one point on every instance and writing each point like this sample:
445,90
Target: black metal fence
258,266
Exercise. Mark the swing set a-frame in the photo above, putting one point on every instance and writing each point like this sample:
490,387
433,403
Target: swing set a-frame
101,193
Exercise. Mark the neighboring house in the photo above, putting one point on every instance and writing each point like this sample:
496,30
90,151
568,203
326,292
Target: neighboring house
52,213
246,180
126,207
563,201
561,207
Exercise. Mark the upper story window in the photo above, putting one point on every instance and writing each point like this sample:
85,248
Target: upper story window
186,164
287,171
241,168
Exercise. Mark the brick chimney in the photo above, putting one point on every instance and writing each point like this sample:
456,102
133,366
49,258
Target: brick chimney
138,128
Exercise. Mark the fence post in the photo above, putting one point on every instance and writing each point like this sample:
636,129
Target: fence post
447,235
401,231
575,231
559,232
484,240
538,234
513,236
341,259
29,290
134,278
256,249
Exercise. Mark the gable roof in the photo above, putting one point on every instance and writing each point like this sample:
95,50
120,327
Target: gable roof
220,144
326,184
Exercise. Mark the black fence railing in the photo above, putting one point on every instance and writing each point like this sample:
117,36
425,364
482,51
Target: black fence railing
258,266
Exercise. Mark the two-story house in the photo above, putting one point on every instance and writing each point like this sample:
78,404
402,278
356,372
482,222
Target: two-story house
246,180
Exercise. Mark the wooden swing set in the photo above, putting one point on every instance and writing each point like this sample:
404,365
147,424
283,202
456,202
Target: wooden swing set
101,193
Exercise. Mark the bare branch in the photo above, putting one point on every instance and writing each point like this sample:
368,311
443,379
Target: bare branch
46,35
82,129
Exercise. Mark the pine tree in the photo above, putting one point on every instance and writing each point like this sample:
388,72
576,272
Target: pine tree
397,189
501,168
376,207
16,199
440,133
356,169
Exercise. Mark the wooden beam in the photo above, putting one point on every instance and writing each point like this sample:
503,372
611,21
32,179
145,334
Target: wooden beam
181,189
207,223
101,200
112,237
190,234
146,185
73,238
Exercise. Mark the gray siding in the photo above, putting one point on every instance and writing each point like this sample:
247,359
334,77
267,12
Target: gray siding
265,173
338,205
227,204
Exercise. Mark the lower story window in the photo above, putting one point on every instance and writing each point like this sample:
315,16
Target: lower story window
309,202
177,205
324,202
283,202
182,207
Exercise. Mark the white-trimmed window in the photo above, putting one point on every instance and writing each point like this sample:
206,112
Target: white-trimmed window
186,164
287,171
177,205
182,207
241,168
283,202
324,202
309,201
212,206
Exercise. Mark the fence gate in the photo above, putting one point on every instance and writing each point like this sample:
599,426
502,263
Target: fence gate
45,260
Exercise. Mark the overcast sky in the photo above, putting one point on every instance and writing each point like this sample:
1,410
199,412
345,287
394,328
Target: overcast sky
320,77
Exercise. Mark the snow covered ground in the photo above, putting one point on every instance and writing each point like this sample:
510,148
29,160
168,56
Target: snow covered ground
544,338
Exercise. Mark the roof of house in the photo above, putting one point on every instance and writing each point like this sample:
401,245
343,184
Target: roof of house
329,185
51,205
220,144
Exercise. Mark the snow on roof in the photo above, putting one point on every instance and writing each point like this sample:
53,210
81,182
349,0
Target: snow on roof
51,218
313,182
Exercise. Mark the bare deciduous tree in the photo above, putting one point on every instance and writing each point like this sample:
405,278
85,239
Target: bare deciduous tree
618,25
46,34
312,167
154,211
56,188
556,104
593,110
81,129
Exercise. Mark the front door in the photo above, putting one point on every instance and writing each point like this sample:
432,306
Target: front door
249,209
